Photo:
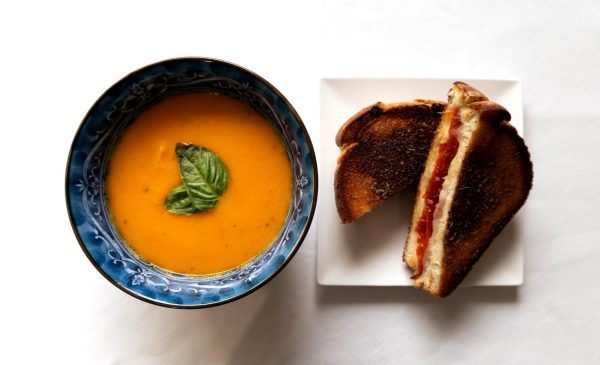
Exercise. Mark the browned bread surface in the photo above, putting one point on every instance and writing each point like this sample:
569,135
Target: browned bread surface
385,147
493,184
468,92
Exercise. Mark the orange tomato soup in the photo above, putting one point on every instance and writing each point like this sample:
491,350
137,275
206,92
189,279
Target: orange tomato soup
143,170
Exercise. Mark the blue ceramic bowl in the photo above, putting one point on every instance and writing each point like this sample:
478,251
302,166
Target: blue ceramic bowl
87,166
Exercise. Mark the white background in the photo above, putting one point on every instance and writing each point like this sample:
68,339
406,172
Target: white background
57,58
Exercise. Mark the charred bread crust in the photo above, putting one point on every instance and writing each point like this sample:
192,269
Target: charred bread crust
352,130
491,112
385,149
361,120
494,183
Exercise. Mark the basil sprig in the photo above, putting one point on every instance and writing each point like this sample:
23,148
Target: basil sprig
204,176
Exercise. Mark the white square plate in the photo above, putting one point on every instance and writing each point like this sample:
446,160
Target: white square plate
369,252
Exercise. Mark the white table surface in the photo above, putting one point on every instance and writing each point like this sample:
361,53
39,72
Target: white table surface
57,58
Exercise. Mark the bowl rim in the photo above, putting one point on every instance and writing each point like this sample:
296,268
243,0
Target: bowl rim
305,229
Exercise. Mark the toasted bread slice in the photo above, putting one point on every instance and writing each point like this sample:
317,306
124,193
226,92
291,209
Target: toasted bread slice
384,148
486,183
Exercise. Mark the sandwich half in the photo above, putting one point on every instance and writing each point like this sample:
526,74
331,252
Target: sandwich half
384,148
477,175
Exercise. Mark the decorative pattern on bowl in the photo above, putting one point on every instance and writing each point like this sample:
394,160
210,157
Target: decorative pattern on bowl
87,166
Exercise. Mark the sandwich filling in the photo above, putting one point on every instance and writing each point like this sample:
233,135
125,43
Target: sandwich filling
446,152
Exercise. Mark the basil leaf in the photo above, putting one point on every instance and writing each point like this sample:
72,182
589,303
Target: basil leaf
179,202
205,179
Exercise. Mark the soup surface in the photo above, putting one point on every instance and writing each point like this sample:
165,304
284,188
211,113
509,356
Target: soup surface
143,170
